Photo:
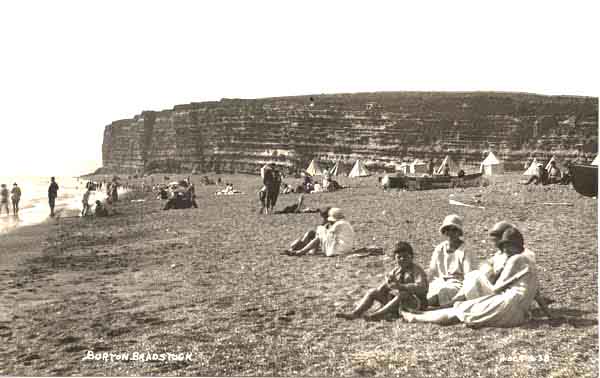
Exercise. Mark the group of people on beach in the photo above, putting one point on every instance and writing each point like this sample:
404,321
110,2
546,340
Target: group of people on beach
499,293
101,208
553,175
15,196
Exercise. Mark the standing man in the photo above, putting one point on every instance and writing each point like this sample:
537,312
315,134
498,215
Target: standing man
52,194
15,197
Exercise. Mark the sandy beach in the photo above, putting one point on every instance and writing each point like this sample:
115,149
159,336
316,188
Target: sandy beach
210,282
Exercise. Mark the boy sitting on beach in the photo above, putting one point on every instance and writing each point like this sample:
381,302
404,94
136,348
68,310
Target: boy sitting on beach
405,287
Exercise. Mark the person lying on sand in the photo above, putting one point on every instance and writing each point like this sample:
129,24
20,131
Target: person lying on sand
336,239
449,263
512,293
405,287
297,208
477,283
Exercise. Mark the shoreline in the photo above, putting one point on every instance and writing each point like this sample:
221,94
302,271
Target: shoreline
40,213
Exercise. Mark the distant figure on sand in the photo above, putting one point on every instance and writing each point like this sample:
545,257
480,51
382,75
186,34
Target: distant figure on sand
15,197
85,201
405,287
52,194
541,176
554,175
114,194
4,198
449,263
272,183
297,208
100,210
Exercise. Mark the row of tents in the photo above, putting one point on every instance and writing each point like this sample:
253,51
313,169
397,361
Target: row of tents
358,169
490,166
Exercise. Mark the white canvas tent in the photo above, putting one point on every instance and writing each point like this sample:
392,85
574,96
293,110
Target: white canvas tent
338,169
491,165
596,160
553,159
314,169
532,169
418,166
359,170
454,168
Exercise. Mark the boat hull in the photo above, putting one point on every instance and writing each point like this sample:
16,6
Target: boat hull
435,182
585,179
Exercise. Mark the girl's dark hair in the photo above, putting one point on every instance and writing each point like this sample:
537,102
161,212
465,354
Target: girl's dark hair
401,247
325,212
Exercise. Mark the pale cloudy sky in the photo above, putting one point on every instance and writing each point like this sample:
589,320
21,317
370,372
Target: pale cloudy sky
69,68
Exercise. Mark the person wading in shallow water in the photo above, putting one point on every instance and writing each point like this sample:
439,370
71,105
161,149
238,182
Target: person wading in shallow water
4,198
15,197
52,194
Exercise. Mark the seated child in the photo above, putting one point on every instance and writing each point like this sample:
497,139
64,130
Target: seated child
100,210
405,287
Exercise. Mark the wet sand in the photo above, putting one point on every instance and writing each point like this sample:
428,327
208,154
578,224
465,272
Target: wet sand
210,282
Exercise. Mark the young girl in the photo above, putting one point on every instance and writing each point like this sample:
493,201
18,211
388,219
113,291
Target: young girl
511,294
404,287
449,263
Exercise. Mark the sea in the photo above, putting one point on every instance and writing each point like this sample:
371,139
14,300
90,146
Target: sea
34,208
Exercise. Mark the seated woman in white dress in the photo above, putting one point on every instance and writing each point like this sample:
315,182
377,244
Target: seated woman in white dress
449,264
476,283
336,239
510,294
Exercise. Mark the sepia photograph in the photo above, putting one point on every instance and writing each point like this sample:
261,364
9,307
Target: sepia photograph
299,188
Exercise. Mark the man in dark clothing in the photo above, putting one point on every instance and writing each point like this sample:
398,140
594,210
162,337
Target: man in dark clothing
52,194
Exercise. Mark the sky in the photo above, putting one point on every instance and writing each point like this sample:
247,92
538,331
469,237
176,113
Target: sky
69,68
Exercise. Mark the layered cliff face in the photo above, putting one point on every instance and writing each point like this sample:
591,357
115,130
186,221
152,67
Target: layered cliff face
234,135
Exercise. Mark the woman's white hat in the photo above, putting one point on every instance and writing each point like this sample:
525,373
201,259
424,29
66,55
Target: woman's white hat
454,221
335,214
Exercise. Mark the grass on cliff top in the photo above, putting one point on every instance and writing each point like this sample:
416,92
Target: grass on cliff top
210,281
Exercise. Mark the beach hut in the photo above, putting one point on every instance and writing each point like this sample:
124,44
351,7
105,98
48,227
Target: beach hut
532,169
359,170
448,161
314,169
418,167
555,160
596,160
338,169
491,165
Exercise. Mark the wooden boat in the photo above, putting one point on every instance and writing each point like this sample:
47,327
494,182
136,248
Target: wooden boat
435,182
585,179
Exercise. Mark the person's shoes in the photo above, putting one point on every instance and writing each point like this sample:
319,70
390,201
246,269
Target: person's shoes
345,315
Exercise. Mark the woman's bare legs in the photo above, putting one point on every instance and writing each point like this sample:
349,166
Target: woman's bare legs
444,316
304,240
313,245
